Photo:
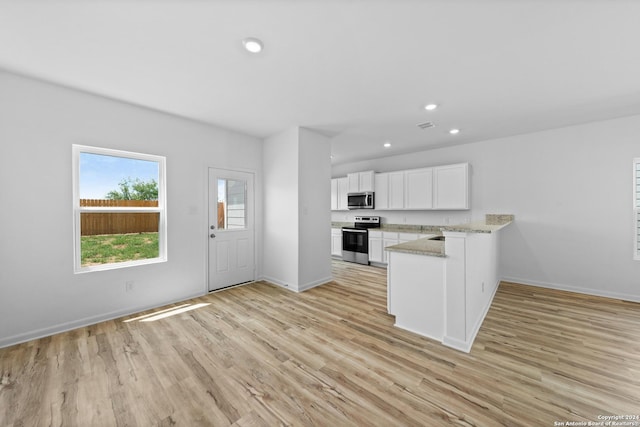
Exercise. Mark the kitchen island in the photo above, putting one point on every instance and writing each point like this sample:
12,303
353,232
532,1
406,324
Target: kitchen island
441,286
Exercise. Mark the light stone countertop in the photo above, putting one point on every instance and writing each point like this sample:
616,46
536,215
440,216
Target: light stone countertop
424,246
396,228
415,229
336,224
475,227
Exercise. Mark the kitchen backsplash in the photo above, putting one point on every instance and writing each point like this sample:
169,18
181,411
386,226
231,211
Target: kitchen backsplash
406,217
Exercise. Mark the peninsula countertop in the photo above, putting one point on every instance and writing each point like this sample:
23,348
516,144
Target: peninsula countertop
475,227
430,247
424,246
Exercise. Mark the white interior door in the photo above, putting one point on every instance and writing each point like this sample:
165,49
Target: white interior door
231,228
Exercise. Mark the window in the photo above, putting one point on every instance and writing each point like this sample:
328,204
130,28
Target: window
119,209
232,195
636,207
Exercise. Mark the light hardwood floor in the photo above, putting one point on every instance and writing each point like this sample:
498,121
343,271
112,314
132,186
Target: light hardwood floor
261,355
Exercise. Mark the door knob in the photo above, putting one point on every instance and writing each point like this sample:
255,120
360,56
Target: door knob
212,235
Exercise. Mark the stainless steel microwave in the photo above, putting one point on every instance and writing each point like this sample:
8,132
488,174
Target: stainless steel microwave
360,200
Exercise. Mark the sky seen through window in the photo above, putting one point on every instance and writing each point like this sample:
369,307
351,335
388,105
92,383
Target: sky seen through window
100,174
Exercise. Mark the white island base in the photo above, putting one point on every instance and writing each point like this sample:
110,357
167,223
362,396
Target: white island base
445,294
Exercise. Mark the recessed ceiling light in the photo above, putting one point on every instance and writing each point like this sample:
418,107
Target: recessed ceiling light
454,131
386,145
430,107
252,45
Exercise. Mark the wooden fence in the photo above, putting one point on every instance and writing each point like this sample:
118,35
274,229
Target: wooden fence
92,223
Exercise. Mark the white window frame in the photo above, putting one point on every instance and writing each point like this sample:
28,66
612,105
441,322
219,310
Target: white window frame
161,209
636,210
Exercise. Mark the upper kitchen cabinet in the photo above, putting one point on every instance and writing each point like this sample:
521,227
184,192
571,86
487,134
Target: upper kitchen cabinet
396,190
451,186
381,181
389,190
419,189
440,187
334,194
339,190
361,181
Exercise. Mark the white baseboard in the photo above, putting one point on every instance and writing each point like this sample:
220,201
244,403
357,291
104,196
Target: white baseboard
561,287
280,283
456,344
299,288
315,283
436,338
87,321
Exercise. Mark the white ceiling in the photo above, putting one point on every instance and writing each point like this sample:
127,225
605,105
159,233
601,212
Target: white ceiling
359,71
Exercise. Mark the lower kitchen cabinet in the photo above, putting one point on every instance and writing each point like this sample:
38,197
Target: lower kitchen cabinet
376,251
336,241
388,239
378,240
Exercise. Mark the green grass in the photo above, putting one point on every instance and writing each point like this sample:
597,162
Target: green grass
112,248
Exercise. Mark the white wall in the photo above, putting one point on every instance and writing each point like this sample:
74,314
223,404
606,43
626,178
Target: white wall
570,190
314,209
280,188
297,171
38,124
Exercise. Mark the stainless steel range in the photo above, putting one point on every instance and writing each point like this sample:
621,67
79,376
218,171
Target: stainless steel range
355,240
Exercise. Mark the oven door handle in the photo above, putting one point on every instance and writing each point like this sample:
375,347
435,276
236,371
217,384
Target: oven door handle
354,231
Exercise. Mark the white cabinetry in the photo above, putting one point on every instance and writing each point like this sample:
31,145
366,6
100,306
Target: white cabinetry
396,190
451,186
354,182
367,181
388,239
389,190
378,240
336,241
339,190
361,181
440,187
419,189
334,194
376,252
381,201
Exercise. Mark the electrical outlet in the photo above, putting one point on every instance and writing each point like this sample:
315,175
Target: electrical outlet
128,285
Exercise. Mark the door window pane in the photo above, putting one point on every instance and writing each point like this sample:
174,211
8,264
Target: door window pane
232,212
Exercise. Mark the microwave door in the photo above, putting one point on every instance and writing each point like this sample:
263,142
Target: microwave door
360,201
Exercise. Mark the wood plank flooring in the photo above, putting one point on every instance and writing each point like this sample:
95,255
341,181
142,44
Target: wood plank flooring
259,355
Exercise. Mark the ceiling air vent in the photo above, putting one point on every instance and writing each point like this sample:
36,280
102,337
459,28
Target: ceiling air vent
426,125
